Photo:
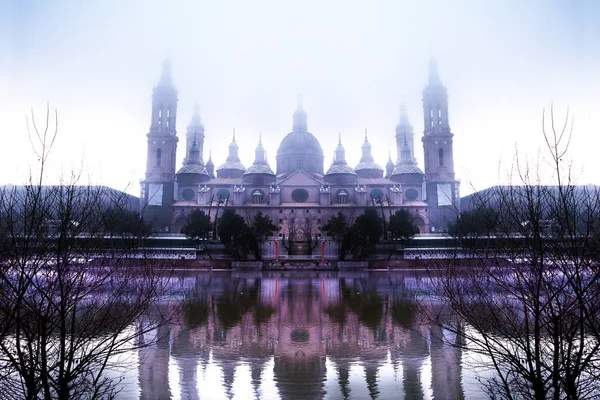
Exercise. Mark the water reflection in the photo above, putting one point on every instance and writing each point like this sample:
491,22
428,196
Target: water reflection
300,336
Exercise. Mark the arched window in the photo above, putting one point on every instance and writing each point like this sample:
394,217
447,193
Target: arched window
441,155
158,157
258,196
342,196
431,116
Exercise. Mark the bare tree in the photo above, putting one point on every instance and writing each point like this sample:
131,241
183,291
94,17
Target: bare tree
69,295
290,241
531,307
308,231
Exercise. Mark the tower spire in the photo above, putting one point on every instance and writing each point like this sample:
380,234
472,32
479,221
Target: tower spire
196,120
233,150
260,156
403,115
340,153
366,150
165,78
300,117
434,76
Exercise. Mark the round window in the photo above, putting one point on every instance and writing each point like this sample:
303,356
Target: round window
223,194
411,194
300,195
377,194
188,194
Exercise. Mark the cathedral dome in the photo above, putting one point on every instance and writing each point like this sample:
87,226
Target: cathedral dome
300,149
299,142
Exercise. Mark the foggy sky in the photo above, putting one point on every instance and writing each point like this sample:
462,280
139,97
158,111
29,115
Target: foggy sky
502,62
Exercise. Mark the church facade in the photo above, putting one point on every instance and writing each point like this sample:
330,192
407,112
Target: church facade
299,189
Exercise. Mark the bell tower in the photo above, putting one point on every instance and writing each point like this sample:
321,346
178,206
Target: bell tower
158,187
441,187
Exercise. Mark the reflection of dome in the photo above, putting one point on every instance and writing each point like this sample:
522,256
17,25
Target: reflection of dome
300,335
301,377
300,149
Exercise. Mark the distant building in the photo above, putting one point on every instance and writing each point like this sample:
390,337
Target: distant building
300,189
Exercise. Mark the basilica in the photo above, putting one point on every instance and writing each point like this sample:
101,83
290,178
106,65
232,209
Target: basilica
300,187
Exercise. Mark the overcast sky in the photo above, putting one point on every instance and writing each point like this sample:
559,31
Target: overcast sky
245,62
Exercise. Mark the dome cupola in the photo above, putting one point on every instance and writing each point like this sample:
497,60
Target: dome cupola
367,167
300,149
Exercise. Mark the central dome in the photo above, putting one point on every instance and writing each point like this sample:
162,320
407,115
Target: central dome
300,149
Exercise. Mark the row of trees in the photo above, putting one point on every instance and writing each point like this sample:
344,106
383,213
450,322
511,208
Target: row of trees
243,239
240,238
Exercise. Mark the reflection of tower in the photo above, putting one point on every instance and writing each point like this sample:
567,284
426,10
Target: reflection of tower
256,371
343,369
412,362
445,365
154,366
371,371
187,356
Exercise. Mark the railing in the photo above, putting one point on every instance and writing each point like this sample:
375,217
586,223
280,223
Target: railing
300,257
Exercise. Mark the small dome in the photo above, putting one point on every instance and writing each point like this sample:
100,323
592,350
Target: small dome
192,169
259,169
235,165
407,169
340,168
368,165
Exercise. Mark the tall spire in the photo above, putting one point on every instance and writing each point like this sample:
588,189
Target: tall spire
233,150
366,150
403,115
434,76
389,167
165,78
405,137
260,154
340,153
196,120
210,166
195,132
300,117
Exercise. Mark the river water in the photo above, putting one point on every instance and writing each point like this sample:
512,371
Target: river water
301,335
